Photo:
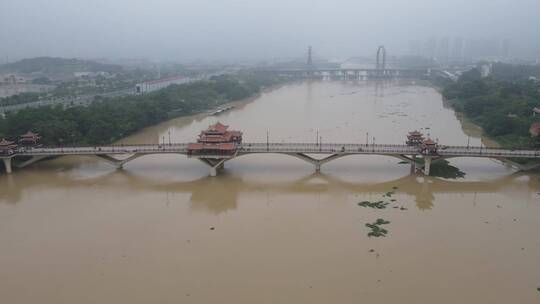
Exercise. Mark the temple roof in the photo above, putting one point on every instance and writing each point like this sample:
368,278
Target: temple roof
30,134
4,143
415,133
218,126
429,142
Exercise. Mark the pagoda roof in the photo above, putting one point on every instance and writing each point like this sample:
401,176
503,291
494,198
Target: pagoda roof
415,133
429,142
5,143
218,126
30,134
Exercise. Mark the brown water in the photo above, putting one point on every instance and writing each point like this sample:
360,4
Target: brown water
74,230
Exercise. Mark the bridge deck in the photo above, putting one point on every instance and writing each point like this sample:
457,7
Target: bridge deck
285,148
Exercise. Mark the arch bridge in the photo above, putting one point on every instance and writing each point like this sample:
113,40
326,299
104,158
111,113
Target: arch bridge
316,154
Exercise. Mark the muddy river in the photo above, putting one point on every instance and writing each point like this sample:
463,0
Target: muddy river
269,229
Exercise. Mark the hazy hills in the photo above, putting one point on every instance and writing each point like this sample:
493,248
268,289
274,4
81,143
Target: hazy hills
56,68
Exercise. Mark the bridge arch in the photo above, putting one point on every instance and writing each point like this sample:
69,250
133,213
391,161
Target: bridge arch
318,162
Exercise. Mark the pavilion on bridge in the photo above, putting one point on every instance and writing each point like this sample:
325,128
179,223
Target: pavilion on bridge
429,147
29,139
415,138
7,147
216,140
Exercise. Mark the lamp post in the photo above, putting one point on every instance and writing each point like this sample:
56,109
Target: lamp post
367,138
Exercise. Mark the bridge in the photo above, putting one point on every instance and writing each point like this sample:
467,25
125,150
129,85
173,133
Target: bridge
380,71
418,158
353,73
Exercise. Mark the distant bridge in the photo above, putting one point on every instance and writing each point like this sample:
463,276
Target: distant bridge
380,70
352,73
419,159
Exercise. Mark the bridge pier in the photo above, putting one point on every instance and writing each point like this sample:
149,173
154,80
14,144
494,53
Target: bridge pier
318,162
413,164
215,165
427,165
118,163
7,164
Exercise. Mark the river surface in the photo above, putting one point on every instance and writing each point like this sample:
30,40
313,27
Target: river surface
75,230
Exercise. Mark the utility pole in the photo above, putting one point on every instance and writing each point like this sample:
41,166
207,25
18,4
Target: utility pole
367,139
169,137
267,141
317,138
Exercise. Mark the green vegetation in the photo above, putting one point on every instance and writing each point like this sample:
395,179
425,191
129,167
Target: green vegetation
501,107
107,120
21,98
376,230
442,168
375,205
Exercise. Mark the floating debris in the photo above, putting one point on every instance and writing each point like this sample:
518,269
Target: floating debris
381,222
388,194
375,205
376,230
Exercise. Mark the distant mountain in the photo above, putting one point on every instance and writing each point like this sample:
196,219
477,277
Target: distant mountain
56,68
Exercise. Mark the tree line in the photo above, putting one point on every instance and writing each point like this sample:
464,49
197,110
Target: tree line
502,107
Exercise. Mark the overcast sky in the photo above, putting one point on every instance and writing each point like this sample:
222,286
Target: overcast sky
254,29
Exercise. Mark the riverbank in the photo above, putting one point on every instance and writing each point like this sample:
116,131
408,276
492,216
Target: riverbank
111,119
504,110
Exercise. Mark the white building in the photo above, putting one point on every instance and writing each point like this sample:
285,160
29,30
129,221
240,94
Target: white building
485,70
150,86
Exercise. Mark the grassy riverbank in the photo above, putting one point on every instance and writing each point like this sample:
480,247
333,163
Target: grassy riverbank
108,120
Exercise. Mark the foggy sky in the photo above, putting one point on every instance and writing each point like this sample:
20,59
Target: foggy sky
254,29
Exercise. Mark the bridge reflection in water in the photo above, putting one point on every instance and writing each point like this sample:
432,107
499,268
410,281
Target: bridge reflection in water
227,189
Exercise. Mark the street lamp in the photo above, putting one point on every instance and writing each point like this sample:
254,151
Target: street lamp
367,138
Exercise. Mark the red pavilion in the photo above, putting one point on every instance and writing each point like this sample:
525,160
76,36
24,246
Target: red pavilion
216,140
